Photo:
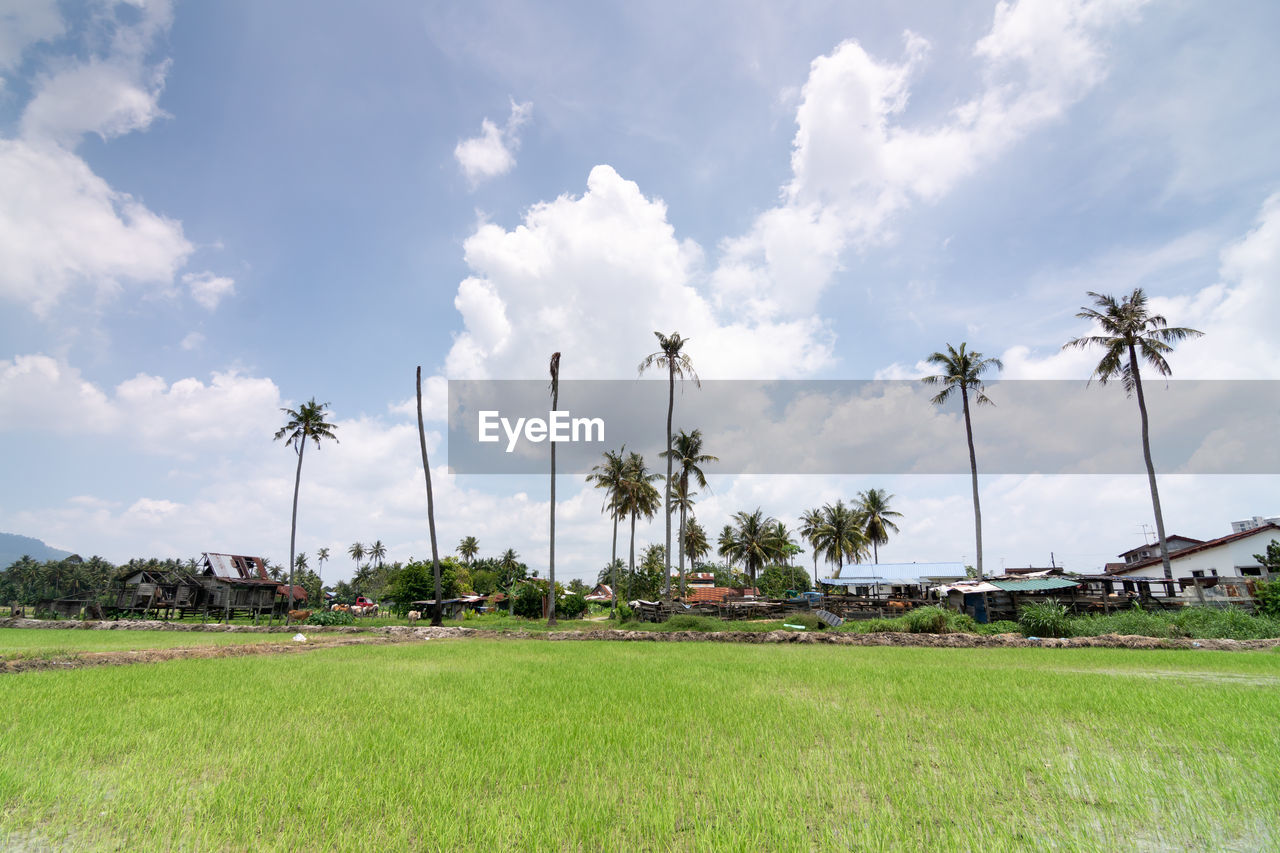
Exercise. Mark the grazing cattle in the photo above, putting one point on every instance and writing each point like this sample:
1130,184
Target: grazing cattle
299,615
342,608
366,610
896,605
414,616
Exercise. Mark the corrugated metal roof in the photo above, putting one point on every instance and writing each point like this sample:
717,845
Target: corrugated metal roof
1033,584
901,572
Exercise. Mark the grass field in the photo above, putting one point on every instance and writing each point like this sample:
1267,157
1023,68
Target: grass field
55,642
491,745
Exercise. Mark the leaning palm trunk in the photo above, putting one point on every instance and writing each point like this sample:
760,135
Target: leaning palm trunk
437,615
973,472
293,526
682,519
671,403
1151,471
632,563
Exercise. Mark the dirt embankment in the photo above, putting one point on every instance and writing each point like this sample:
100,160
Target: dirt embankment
331,636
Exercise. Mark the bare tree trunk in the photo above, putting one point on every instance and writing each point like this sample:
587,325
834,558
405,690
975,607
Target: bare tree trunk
671,404
632,569
293,527
1151,469
682,522
613,571
973,470
437,615
551,561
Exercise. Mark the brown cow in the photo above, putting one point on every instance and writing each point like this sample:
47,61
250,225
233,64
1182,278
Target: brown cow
299,615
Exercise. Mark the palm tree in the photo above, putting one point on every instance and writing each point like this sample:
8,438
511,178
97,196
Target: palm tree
437,615
640,498
468,548
376,552
840,535
963,369
357,553
688,451
300,561
611,476
551,557
695,541
810,522
724,545
509,562
677,363
876,517
754,541
1129,331
322,554
787,548
307,422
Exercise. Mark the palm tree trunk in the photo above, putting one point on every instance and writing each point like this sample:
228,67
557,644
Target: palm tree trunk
613,571
671,403
1151,469
551,561
632,565
437,615
293,526
875,550
973,471
682,519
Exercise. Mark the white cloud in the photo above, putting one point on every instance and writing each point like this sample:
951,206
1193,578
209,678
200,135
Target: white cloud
102,97
857,161
435,401
192,341
209,289
593,277
492,153
24,23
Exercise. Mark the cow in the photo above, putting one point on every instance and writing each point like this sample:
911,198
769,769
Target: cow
414,616
299,615
896,605
342,608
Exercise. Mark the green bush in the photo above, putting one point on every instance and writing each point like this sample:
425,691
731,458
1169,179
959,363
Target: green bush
1046,618
1000,626
808,620
1266,594
875,626
624,612
929,620
331,617
529,601
571,606
690,622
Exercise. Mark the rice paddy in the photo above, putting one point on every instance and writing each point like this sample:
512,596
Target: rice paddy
503,744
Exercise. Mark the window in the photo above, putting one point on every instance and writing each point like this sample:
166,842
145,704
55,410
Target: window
1198,573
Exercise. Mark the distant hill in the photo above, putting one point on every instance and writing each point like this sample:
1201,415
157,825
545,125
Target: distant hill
13,546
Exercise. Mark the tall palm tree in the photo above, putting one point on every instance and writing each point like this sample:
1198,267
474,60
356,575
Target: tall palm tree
551,557
754,541
307,422
810,523
468,548
840,536
509,563
357,553
695,541
1130,331
611,476
322,555
962,369
376,552
640,498
437,614
678,364
787,548
877,518
688,452
724,545
300,561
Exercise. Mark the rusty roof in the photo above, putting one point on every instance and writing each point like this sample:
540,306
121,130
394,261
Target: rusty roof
235,566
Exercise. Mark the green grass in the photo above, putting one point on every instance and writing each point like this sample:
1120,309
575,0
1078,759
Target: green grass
494,745
56,642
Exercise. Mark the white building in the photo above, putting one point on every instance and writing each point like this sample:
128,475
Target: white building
1227,557
1253,523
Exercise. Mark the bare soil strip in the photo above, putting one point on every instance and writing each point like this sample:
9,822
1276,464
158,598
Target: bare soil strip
317,640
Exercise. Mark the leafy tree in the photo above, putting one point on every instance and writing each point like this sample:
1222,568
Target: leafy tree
468,548
611,476
810,523
640,498
677,363
962,370
1270,560
484,581
377,551
357,553
876,518
416,581
754,541
571,606
529,599
688,453
775,581
1130,332
307,422
695,541
510,569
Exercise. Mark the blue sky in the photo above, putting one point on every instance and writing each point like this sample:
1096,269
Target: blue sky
214,210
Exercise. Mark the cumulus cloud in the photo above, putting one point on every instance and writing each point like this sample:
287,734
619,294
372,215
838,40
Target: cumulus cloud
209,289
61,225
24,23
492,153
593,276
192,341
856,161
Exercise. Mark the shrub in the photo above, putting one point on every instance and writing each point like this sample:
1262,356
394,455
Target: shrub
1046,618
928,620
808,620
529,601
571,606
690,622
331,617
1000,626
1266,595
624,612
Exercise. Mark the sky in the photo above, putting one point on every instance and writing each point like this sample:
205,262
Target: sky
209,212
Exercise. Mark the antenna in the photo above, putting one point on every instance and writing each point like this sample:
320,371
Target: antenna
1147,534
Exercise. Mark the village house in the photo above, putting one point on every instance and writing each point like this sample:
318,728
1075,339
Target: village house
1214,571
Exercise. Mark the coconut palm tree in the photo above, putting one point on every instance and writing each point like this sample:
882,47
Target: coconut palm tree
724,545
754,541
322,555
677,363
308,422
876,518
695,541
840,536
787,548
468,548
611,476
689,455
640,497
551,557
962,369
810,522
376,552
357,553
1131,333
437,614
